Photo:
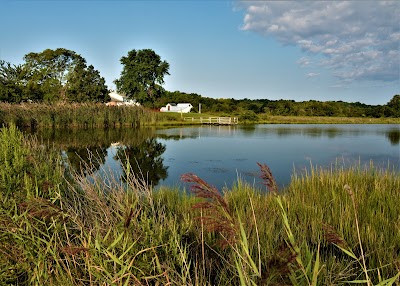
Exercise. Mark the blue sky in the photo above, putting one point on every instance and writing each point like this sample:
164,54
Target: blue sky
300,50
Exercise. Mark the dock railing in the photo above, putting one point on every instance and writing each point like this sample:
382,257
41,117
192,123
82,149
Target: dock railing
213,120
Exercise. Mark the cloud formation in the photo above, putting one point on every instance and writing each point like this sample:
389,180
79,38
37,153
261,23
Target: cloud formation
312,74
304,61
358,40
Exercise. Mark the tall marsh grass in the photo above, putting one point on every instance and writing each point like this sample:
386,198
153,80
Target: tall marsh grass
63,115
328,227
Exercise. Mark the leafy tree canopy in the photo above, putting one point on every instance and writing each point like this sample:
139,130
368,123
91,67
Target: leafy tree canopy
51,75
54,64
86,84
394,106
11,78
142,75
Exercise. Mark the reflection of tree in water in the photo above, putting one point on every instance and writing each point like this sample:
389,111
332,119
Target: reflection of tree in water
393,136
310,132
145,160
88,159
86,138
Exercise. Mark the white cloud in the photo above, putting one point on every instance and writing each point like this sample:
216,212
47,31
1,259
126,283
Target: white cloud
359,40
312,74
304,61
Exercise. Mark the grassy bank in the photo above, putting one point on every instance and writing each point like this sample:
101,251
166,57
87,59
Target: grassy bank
178,119
325,120
63,115
327,228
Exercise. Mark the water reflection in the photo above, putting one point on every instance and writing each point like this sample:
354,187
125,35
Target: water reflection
145,160
283,130
393,136
220,153
88,138
86,160
87,149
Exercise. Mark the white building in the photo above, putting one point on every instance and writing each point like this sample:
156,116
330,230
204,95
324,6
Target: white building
180,107
117,100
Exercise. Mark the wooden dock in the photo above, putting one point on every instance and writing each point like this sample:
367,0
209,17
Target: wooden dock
213,120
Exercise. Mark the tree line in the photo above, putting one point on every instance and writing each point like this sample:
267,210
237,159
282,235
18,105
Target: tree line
63,75
254,107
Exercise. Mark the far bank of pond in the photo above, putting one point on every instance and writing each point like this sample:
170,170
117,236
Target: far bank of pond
221,154
91,115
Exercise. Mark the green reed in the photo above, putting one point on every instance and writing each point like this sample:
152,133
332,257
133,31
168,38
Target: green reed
88,115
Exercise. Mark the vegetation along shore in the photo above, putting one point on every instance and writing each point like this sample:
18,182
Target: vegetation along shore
95,115
328,227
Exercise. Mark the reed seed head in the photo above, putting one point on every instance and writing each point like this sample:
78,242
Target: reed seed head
268,179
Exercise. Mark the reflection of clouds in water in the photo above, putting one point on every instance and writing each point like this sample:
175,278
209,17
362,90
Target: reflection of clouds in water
250,174
217,170
240,159
307,158
113,149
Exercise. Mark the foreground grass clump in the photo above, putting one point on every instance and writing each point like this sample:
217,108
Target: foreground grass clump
328,227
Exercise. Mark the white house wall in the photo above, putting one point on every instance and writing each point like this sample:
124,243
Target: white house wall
180,107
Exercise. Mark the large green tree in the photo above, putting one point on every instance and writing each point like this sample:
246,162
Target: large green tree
51,75
48,71
85,84
142,75
11,82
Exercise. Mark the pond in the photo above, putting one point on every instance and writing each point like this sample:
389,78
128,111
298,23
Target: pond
221,154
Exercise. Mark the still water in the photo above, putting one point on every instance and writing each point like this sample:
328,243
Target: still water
219,154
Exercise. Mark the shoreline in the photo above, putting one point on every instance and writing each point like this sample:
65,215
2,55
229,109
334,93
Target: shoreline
101,116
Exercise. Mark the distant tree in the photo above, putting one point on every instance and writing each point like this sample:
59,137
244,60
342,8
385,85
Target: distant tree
280,107
142,75
248,115
394,105
85,84
11,82
395,102
48,71
257,108
330,108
